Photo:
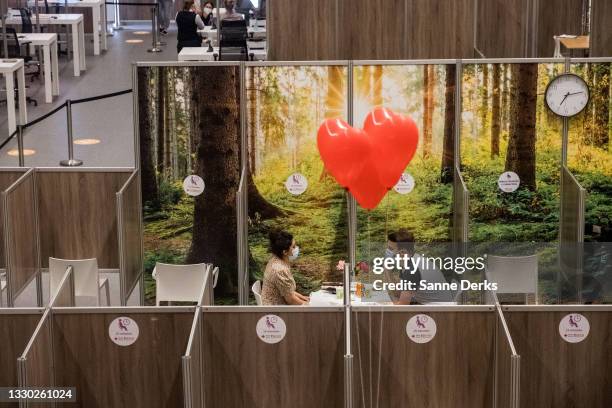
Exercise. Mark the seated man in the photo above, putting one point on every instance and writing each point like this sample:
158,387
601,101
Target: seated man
402,243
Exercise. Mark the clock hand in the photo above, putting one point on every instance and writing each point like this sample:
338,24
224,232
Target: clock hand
564,98
575,93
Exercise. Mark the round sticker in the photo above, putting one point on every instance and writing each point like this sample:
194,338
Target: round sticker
123,331
508,182
421,328
193,185
271,329
296,183
574,328
405,184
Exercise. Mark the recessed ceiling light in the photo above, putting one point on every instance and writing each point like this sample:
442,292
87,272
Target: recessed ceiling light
85,142
26,152
133,41
141,32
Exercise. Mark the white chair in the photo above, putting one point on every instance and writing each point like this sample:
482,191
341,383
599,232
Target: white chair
87,280
2,287
179,283
256,288
514,274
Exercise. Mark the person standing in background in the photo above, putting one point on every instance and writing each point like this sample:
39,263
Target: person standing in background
230,12
188,24
164,11
207,13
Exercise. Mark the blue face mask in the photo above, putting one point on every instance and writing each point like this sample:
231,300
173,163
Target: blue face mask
389,253
295,253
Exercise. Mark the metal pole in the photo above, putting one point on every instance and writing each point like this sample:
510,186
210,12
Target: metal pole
155,44
71,162
117,24
37,16
20,145
348,356
4,39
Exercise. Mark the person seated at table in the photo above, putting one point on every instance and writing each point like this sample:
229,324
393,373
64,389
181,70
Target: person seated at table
230,12
207,13
402,243
278,284
188,24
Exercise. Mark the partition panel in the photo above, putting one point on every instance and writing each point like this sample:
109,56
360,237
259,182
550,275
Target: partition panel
144,374
555,17
558,373
193,384
455,368
502,28
130,235
7,178
305,369
36,362
78,214
20,234
16,327
601,33
507,365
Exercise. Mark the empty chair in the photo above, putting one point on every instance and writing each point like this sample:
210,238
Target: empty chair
233,42
514,274
87,280
256,288
179,283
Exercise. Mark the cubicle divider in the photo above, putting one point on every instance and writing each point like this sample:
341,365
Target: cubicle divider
461,205
16,327
507,365
601,36
565,354
193,388
273,356
7,177
426,356
242,225
129,221
21,238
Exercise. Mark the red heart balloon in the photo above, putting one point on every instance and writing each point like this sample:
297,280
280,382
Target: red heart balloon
395,139
366,186
342,149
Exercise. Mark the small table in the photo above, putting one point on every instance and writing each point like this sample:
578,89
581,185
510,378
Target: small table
571,42
98,13
324,298
8,68
48,42
202,54
253,32
75,21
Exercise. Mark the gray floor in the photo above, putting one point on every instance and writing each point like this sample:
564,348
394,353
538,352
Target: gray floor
109,120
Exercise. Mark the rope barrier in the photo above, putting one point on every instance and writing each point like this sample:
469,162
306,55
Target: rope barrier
130,4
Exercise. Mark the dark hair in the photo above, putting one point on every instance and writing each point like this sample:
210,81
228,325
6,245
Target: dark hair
187,5
209,2
403,238
280,241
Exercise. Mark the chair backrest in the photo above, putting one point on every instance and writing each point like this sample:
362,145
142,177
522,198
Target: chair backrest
86,277
513,274
256,288
13,47
180,283
26,20
215,275
233,41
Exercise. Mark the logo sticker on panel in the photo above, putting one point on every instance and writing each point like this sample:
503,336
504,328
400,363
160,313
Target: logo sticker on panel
421,328
123,331
271,329
296,184
193,185
574,328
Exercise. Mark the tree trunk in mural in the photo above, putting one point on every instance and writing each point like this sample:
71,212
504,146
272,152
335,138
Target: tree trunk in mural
252,91
377,79
496,111
448,147
428,105
505,99
521,154
601,105
147,166
484,96
587,122
217,161
161,123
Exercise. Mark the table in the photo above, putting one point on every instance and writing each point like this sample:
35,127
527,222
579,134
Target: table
202,54
571,42
48,42
98,12
75,21
8,68
253,32
324,298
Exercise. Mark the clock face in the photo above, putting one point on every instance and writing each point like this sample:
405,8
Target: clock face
567,95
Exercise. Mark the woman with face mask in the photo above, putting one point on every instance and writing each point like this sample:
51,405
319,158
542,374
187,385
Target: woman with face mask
207,13
278,283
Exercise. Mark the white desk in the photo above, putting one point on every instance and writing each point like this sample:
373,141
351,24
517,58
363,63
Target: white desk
325,298
75,21
98,12
8,68
202,54
253,32
48,42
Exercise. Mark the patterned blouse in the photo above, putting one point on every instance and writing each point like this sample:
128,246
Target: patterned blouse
278,282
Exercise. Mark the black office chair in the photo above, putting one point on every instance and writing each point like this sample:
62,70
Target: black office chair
21,50
233,41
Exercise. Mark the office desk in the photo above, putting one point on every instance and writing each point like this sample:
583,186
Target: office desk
98,13
8,68
48,42
578,42
253,32
202,54
75,21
